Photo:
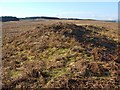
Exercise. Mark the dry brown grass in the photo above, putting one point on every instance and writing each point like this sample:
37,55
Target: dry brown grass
50,54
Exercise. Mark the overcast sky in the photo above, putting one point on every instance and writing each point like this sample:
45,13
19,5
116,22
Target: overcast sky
86,10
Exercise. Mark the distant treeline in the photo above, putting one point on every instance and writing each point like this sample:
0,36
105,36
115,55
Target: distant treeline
27,18
44,17
11,18
8,18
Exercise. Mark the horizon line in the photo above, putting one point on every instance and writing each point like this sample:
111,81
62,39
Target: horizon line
61,17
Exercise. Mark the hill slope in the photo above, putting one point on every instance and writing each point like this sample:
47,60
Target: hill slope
60,55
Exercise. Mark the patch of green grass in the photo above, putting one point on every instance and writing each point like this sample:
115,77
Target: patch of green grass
59,72
15,74
71,60
54,73
30,57
62,51
22,52
53,53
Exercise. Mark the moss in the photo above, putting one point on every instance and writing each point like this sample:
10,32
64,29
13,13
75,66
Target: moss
53,53
54,73
71,60
30,57
15,74
62,51
22,52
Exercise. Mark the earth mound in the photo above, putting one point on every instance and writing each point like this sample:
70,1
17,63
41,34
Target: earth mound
60,55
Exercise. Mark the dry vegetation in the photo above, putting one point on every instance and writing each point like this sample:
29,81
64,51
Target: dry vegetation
60,54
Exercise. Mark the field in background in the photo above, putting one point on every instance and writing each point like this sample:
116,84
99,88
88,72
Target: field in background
112,27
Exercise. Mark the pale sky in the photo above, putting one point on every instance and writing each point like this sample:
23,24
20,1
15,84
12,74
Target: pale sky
82,10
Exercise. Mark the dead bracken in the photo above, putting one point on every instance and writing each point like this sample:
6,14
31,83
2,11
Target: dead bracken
60,55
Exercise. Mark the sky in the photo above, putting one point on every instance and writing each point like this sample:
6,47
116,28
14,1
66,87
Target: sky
82,10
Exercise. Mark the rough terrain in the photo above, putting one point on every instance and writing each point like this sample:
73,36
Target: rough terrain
60,54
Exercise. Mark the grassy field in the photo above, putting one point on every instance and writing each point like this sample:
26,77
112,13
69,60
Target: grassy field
60,54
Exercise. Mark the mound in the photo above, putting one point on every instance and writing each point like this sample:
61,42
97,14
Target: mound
60,55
